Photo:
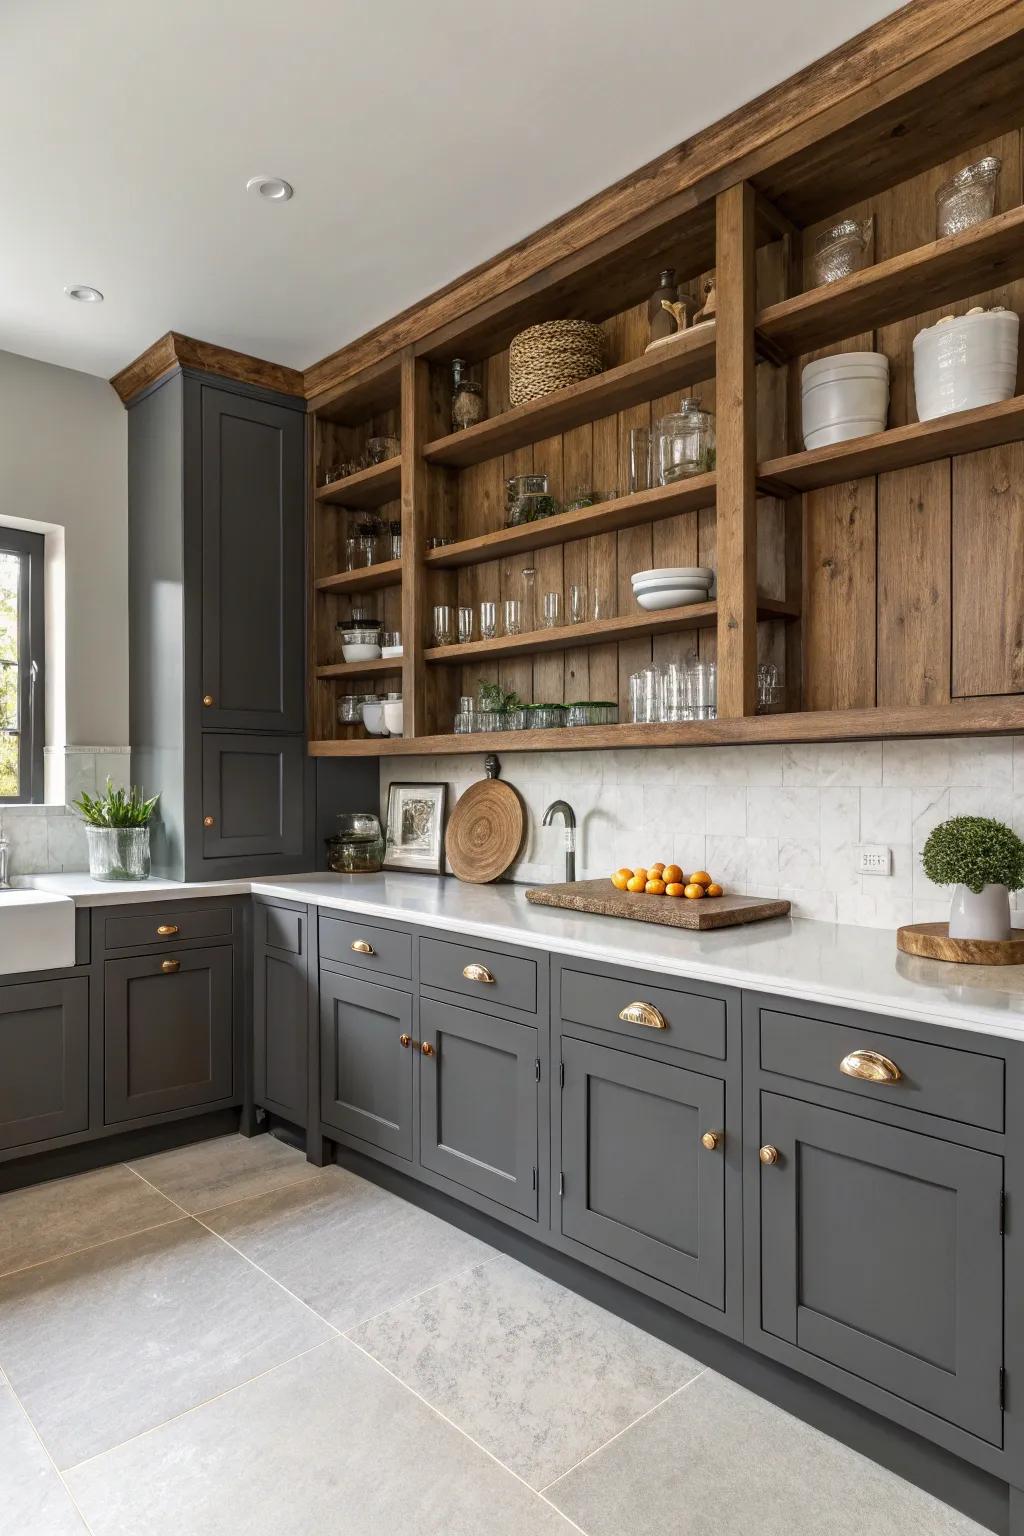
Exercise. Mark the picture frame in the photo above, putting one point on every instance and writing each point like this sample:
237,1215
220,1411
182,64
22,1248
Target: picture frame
414,829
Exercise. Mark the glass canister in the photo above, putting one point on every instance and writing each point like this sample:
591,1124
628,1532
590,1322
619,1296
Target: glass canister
357,848
686,443
968,198
841,250
527,500
467,397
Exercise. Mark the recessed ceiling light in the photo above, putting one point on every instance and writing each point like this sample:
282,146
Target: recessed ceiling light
83,293
274,188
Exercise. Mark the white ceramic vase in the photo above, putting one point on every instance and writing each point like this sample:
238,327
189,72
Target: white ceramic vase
980,915
843,396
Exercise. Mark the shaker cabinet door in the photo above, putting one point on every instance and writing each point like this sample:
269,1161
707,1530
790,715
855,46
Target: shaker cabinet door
44,1061
253,563
639,1185
366,1072
478,1103
252,801
881,1254
280,1005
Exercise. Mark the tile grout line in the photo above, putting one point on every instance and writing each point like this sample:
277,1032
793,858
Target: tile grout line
223,1205
537,1493
45,1450
418,1295
626,1429
72,1253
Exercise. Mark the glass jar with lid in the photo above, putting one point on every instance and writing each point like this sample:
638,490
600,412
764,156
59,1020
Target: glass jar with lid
467,397
686,443
527,500
357,848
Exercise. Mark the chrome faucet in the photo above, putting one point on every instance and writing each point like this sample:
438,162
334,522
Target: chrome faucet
5,850
564,809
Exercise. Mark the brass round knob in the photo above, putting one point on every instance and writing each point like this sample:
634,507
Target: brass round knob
207,821
769,1155
405,1041
711,1140
427,1048
208,700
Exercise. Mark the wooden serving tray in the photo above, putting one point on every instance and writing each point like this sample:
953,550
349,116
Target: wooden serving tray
600,896
932,940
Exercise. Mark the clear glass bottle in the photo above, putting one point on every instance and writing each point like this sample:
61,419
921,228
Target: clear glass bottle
686,443
467,397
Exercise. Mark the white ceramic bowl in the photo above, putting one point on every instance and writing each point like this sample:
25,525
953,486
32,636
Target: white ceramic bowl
671,597
844,396
393,716
701,573
965,362
656,583
373,718
361,652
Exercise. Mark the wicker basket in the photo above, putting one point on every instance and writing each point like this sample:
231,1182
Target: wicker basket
550,356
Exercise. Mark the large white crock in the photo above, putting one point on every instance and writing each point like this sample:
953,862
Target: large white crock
966,361
844,396
983,914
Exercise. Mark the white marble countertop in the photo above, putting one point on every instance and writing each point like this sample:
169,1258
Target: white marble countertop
790,957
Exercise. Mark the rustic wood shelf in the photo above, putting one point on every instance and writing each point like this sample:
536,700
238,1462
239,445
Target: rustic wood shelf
566,637
980,258
360,668
605,517
899,448
675,366
368,488
368,578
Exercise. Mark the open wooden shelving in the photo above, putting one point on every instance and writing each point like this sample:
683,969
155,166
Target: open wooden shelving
372,487
368,578
383,666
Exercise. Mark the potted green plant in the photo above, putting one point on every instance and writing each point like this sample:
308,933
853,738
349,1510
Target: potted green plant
984,860
117,829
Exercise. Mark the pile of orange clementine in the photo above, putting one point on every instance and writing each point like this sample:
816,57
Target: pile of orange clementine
666,880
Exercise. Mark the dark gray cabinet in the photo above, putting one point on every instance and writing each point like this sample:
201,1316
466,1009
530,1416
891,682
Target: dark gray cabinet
280,1011
252,796
478,1088
44,1052
366,1061
168,1036
252,563
638,1184
881,1253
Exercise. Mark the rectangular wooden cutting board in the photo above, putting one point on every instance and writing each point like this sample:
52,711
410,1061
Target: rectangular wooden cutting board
600,896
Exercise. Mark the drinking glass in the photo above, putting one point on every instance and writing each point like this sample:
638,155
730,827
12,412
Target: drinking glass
465,625
600,604
443,624
529,598
577,604
639,459
513,616
552,609
488,620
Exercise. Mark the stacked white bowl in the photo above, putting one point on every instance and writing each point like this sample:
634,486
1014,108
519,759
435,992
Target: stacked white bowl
843,396
673,586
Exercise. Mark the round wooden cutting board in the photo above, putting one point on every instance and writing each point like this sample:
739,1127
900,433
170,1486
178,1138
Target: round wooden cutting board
933,941
485,832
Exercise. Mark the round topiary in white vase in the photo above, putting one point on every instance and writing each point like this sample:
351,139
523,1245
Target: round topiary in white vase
984,860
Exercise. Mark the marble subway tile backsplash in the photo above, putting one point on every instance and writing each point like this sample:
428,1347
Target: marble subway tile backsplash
47,839
773,820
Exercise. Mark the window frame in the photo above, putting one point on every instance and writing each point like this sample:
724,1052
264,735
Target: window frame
30,549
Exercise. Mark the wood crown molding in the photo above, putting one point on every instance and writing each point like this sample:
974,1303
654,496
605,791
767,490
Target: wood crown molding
175,351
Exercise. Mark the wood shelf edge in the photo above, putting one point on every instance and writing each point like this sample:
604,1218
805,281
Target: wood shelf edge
354,490
386,573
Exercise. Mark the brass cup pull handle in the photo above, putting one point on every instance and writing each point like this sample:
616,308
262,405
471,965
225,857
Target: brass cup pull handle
427,1048
712,1140
361,947
166,930
769,1156
474,972
170,966
645,1014
405,1041
870,1067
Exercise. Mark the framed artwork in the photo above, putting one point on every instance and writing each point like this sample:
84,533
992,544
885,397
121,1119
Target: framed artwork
414,838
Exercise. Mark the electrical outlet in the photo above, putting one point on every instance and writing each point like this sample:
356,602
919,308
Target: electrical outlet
874,859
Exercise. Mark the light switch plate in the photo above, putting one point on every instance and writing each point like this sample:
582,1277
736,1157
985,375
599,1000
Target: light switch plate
874,859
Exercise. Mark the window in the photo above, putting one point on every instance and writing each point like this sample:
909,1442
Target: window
21,665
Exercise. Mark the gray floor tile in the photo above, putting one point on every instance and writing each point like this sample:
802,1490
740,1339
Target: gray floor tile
536,1374
213,1173
718,1459
33,1500
104,1344
328,1445
47,1220
345,1246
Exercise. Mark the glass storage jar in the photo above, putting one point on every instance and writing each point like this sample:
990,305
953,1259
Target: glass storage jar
545,717
593,712
968,198
686,443
841,250
527,500
357,848
467,397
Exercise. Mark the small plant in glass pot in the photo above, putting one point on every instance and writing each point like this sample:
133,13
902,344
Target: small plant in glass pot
984,860
117,829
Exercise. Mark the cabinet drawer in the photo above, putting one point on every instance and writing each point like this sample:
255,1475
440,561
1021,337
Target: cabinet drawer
181,921
936,1079
486,974
342,939
689,1021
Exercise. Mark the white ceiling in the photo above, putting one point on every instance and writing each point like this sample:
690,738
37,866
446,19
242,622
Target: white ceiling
422,136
